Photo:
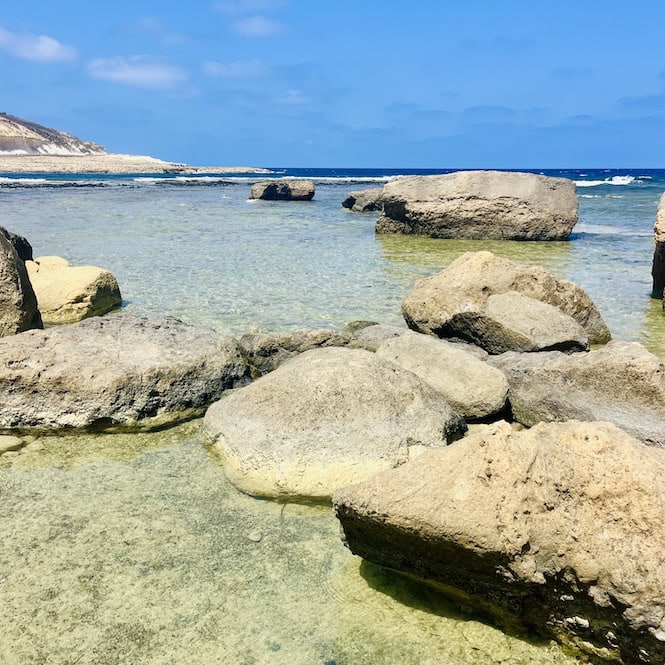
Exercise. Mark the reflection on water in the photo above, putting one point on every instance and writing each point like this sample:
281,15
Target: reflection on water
113,556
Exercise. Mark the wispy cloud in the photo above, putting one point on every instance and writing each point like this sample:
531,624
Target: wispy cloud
39,48
139,71
153,26
240,7
238,69
293,98
256,26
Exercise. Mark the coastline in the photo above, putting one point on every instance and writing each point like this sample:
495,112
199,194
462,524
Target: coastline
109,163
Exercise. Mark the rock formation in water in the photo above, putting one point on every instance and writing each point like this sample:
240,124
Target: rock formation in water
480,205
283,190
366,200
22,137
658,269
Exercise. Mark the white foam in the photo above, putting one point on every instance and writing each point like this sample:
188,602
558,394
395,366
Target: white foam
601,229
23,181
614,180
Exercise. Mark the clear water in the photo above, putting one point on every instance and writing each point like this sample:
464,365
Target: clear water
134,548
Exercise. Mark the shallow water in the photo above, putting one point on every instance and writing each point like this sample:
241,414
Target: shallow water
134,549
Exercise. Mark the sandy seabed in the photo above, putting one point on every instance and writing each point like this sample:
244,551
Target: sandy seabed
108,163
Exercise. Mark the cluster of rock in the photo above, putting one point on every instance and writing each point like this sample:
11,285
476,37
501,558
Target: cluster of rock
283,190
474,205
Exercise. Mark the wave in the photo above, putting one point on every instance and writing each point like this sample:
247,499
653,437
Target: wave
602,229
24,181
614,180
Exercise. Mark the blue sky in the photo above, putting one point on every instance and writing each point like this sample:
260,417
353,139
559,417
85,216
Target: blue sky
357,84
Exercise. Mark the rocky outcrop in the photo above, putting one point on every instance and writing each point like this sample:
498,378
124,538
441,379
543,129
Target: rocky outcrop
18,304
66,294
327,418
283,190
480,205
114,373
265,353
366,200
558,528
621,383
19,243
658,268
472,387
443,304
371,337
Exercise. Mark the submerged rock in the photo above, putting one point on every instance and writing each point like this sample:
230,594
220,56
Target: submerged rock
18,304
621,383
283,190
558,528
67,294
443,304
325,419
19,243
658,268
366,200
481,205
114,373
472,387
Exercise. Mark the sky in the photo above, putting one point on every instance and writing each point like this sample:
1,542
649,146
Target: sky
373,83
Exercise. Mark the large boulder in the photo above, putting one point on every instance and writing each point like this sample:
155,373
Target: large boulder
18,304
436,305
20,243
559,528
327,418
480,205
67,294
114,373
283,190
366,200
658,268
471,386
621,383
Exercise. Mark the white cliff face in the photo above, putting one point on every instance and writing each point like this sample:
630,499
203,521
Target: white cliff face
20,137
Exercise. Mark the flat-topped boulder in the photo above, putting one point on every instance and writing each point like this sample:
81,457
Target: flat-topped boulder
114,373
658,268
622,383
558,528
283,190
365,200
480,205
472,387
18,304
66,293
326,418
446,304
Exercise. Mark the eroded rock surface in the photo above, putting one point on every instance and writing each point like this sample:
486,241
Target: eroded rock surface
658,269
283,190
558,527
366,200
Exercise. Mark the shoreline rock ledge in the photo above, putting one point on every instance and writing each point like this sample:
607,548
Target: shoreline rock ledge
558,528
480,205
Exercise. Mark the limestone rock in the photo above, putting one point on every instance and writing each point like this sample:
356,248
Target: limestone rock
366,200
467,283
325,419
621,383
658,269
472,387
481,205
20,243
67,294
266,353
371,337
559,527
283,190
18,304
114,373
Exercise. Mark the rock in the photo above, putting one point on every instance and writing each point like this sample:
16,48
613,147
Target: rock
283,190
480,205
19,243
559,528
325,419
67,294
266,353
658,268
371,337
621,383
114,373
472,387
464,287
366,200
18,304
9,443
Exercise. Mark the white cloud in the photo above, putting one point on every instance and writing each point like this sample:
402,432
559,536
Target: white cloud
256,26
141,71
293,97
240,7
40,48
238,69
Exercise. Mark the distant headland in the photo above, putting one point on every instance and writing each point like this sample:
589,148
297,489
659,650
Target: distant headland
26,147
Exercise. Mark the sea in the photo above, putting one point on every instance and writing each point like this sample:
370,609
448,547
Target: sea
133,548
